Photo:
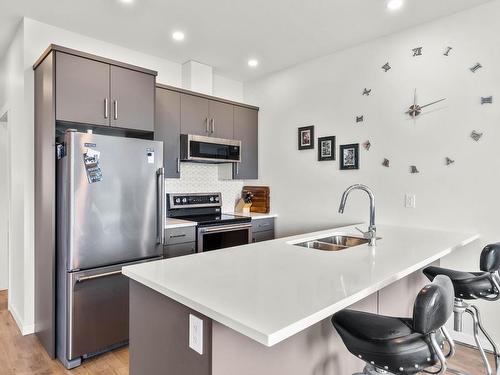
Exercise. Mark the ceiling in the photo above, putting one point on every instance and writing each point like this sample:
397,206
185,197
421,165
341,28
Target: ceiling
226,33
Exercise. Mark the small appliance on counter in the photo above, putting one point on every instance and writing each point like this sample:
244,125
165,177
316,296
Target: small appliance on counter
260,198
214,229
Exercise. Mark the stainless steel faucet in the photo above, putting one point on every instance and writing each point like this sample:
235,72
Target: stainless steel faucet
372,229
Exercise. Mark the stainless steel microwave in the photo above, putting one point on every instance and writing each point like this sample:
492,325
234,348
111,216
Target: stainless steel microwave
198,148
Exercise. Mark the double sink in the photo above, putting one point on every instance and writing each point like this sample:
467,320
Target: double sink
334,243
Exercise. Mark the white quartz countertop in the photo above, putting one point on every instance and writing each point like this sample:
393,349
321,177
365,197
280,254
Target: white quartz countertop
254,215
271,290
172,223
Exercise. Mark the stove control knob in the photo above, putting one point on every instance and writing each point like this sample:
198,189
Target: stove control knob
211,199
177,200
184,200
216,199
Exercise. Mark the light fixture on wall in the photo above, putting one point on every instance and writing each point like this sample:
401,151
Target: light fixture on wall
253,63
178,36
394,4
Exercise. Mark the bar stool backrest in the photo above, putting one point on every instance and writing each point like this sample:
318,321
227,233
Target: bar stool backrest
433,305
490,258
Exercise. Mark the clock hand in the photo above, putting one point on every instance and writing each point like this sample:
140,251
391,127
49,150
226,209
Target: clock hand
437,101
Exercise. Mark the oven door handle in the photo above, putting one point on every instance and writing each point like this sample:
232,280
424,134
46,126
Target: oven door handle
226,228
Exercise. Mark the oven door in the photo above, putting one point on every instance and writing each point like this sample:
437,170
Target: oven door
222,236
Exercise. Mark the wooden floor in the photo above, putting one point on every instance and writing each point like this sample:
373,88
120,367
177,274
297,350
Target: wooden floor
23,355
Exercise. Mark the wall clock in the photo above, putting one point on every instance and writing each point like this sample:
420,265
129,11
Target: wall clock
416,108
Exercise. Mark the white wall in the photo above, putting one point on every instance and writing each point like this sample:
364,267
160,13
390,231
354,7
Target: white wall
326,93
31,40
4,209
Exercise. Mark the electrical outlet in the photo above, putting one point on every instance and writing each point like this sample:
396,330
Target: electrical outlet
196,334
410,200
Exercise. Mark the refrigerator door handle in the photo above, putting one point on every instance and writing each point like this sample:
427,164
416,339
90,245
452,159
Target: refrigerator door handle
161,206
98,276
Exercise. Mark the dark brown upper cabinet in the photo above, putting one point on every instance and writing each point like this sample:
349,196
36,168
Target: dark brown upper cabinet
132,99
194,115
208,117
246,122
221,117
168,129
96,92
82,90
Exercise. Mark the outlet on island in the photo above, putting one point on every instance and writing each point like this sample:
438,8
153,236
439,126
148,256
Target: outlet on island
410,200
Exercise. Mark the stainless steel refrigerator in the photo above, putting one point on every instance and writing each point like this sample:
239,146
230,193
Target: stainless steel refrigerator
110,213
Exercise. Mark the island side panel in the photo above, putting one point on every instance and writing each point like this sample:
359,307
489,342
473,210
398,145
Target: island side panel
391,301
159,336
316,350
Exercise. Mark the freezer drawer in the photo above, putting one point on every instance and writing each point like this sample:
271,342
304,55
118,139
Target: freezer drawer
98,310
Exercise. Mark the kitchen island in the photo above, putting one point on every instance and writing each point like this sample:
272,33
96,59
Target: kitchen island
264,308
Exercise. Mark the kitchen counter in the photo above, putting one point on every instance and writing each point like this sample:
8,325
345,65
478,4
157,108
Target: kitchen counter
272,290
172,223
255,215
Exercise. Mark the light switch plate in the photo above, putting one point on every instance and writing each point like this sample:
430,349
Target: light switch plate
410,200
196,334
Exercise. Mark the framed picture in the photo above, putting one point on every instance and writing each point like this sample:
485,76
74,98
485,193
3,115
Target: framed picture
326,148
306,138
349,156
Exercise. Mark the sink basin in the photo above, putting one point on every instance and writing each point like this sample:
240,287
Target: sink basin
334,243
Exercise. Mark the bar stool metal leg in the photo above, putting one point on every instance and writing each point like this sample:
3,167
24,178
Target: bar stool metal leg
474,311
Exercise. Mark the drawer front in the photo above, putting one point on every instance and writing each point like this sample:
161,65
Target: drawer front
172,251
263,236
261,225
180,235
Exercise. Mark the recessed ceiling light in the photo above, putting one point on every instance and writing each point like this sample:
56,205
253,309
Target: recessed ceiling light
394,4
178,36
127,2
253,63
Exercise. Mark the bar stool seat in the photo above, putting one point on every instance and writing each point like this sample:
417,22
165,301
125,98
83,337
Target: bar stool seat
467,285
386,342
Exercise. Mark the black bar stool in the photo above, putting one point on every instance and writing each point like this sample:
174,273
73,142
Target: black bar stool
483,285
402,345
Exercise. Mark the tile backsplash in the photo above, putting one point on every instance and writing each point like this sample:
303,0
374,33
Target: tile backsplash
204,178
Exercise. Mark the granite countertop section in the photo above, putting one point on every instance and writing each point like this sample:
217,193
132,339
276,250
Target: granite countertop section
269,291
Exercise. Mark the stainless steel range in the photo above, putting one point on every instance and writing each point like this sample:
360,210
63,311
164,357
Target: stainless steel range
215,230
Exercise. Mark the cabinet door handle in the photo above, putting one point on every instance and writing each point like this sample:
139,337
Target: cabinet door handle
106,108
207,126
213,126
115,110
178,165
177,235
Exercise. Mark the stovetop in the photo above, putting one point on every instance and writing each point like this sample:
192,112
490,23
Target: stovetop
205,209
216,219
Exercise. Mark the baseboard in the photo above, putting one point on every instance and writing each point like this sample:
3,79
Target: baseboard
468,340
25,329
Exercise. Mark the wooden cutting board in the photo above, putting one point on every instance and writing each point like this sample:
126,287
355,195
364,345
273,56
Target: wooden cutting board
261,198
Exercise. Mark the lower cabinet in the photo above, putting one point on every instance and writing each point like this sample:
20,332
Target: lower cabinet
179,241
263,229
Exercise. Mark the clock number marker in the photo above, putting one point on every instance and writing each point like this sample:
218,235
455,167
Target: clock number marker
367,145
476,67
386,67
476,135
487,100
417,51
448,50
449,161
367,92
414,170
386,163
360,118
